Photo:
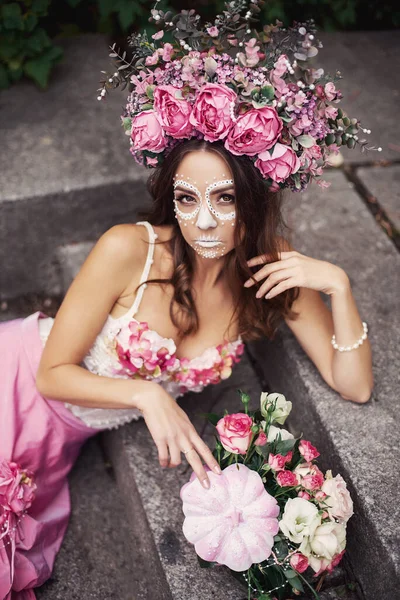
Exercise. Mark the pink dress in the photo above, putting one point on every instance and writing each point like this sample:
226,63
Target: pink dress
45,435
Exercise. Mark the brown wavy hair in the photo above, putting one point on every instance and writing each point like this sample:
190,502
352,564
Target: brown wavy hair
259,215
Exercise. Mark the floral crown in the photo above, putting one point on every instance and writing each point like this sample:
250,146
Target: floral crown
227,81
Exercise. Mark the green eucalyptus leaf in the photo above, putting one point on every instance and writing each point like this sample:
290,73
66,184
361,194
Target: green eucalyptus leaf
306,141
268,92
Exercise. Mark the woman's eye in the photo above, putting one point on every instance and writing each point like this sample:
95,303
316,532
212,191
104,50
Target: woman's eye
229,197
184,198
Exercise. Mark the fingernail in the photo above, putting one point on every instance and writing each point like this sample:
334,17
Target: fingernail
217,470
206,483
246,284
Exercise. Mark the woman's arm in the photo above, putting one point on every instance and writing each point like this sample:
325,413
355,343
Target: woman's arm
102,279
349,373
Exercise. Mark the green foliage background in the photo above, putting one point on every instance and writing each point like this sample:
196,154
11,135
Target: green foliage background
28,27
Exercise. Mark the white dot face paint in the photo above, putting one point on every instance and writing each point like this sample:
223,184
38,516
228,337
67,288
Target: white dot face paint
204,203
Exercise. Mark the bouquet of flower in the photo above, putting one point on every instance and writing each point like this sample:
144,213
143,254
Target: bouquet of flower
17,492
226,80
272,517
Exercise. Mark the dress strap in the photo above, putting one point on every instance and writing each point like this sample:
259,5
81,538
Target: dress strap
147,266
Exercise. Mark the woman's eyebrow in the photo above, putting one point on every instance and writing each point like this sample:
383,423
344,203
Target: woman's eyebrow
217,189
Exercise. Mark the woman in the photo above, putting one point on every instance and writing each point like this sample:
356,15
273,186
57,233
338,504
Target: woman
188,330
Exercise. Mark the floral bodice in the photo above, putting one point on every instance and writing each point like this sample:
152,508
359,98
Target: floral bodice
128,348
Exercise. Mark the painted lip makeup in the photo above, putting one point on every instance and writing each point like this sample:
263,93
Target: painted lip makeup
208,243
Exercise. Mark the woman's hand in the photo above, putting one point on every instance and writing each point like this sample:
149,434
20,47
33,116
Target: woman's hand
295,270
173,433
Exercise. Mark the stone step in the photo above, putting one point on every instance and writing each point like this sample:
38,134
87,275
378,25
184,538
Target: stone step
98,558
358,441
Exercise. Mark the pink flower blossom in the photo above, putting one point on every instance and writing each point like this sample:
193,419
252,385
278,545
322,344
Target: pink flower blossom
255,131
235,432
287,479
211,111
251,56
233,522
261,439
330,91
308,451
167,52
142,81
299,562
173,112
277,462
213,31
303,494
314,480
158,35
147,132
278,165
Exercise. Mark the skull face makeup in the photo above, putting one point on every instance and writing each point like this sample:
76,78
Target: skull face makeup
205,205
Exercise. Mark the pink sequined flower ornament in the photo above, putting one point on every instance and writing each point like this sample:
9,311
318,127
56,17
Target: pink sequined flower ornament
235,432
233,522
17,492
143,353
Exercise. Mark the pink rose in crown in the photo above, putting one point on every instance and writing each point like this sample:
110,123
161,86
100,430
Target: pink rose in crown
235,432
211,111
232,523
255,131
147,132
308,451
173,112
280,164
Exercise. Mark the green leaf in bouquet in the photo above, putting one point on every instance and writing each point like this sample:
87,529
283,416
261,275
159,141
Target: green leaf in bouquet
268,92
226,454
212,417
284,446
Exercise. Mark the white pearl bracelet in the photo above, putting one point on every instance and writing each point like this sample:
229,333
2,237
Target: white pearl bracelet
355,345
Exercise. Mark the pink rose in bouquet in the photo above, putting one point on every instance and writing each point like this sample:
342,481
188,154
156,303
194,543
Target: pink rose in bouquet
308,451
338,502
280,164
211,111
255,131
147,132
235,432
299,562
173,112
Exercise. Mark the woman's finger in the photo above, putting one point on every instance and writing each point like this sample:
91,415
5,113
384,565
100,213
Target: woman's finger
163,456
195,462
174,453
273,279
207,455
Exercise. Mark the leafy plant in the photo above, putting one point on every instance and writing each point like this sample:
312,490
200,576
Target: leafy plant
25,47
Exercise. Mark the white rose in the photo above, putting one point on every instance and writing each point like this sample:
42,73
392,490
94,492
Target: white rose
326,541
282,407
339,503
299,520
275,431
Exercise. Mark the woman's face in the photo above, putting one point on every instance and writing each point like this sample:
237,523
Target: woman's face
204,203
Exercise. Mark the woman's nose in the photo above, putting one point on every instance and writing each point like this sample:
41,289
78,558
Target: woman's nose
205,218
